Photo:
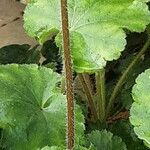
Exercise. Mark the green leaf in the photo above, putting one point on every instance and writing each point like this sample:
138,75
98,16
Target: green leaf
33,56
96,27
125,95
61,148
32,109
140,110
84,148
51,53
52,148
19,54
125,130
106,141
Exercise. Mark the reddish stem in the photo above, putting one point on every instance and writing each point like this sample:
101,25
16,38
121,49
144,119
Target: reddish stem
68,75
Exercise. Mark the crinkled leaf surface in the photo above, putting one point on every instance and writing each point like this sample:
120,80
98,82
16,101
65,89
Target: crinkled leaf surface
52,148
32,109
125,130
140,110
62,148
96,27
106,141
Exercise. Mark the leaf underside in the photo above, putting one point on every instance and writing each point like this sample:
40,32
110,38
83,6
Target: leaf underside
96,27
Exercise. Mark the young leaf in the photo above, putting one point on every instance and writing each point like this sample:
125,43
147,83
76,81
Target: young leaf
140,110
96,27
32,109
106,141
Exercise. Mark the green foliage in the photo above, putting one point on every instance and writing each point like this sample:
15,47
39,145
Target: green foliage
52,148
140,110
98,140
125,130
32,109
52,55
19,54
106,141
96,27
62,148
116,69
32,106
125,94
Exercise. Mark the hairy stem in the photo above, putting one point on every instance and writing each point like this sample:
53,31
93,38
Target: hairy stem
100,91
68,76
89,96
124,76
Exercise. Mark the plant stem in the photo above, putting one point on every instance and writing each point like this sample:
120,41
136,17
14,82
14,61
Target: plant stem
100,91
89,82
89,96
68,76
124,76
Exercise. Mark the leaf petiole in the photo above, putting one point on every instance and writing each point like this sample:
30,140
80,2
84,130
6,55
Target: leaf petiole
100,91
124,76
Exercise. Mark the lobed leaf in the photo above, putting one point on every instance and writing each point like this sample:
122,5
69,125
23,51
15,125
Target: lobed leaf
106,141
32,109
125,130
140,110
96,27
